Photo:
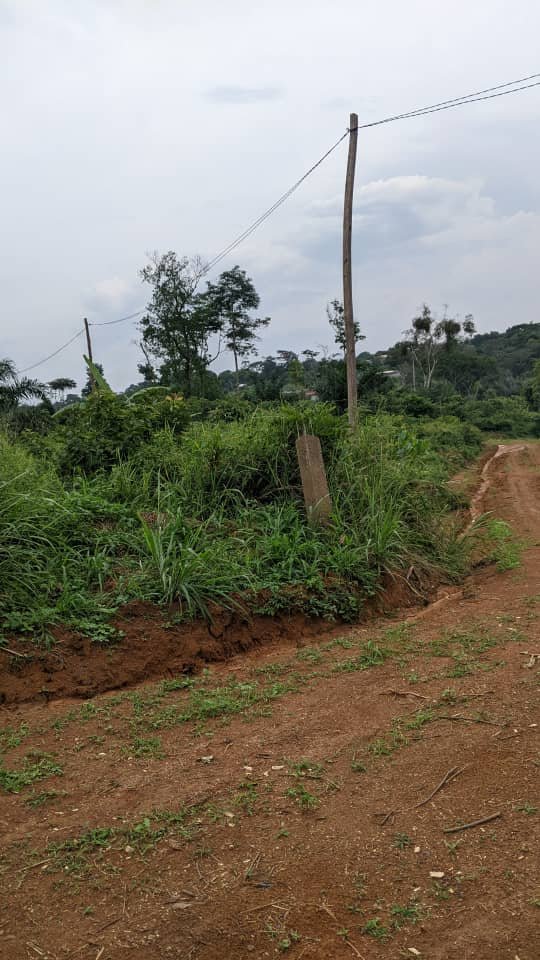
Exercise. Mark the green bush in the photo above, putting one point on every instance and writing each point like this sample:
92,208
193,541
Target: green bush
456,440
509,416
107,428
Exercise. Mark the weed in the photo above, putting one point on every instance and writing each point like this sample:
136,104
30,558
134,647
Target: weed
450,696
527,808
304,799
376,929
410,913
440,891
344,643
372,656
311,654
452,846
147,747
246,797
402,841
11,738
306,768
288,941
357,766
36,767
37,799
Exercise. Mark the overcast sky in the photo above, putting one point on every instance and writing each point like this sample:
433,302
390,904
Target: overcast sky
137,125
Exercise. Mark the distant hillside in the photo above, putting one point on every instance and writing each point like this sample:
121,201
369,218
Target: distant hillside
515,350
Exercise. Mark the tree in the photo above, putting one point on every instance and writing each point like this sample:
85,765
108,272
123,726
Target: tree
234,296
335,314
60,385
179,321
427,337
532,387
14,389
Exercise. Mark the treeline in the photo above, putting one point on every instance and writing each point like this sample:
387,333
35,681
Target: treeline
440,366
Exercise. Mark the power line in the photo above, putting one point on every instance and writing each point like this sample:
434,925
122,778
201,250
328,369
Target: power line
264,216
489,93
449,104
51,355
109,323
420,111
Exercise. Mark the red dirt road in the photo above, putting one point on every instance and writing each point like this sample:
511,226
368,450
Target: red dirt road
282,805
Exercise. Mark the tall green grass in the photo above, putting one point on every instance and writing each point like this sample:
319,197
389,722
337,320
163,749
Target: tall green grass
215,516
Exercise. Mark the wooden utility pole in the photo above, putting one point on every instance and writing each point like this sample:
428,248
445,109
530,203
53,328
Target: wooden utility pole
89,345
348,316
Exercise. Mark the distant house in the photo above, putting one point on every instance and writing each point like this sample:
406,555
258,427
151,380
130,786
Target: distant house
293,392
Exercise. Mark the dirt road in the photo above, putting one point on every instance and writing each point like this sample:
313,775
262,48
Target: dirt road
370,792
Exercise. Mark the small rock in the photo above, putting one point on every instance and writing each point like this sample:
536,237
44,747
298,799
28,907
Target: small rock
180,905
436,874
417,849
414,951
279,767
207,759
129,849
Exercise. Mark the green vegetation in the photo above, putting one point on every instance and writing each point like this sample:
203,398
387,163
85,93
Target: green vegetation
35,767
211,513
185,490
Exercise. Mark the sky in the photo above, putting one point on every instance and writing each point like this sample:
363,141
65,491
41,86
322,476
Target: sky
133,126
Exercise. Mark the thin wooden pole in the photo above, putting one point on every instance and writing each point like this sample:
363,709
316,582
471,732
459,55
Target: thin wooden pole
348,316
89,345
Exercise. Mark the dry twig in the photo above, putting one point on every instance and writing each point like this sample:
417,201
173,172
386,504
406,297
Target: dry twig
473,823
448,777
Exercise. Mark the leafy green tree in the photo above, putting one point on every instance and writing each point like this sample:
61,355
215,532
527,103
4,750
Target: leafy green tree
179,321
234,296
14,389
335,313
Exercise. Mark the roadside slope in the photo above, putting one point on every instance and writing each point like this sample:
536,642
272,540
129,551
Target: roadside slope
282,805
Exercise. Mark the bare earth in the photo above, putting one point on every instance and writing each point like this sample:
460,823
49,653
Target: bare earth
290,813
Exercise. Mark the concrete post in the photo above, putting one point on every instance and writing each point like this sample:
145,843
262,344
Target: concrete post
313,474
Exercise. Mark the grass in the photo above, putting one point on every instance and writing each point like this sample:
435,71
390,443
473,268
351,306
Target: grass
506,550
213,516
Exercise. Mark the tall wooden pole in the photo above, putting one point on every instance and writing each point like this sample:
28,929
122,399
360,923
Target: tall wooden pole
89,345
348,316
